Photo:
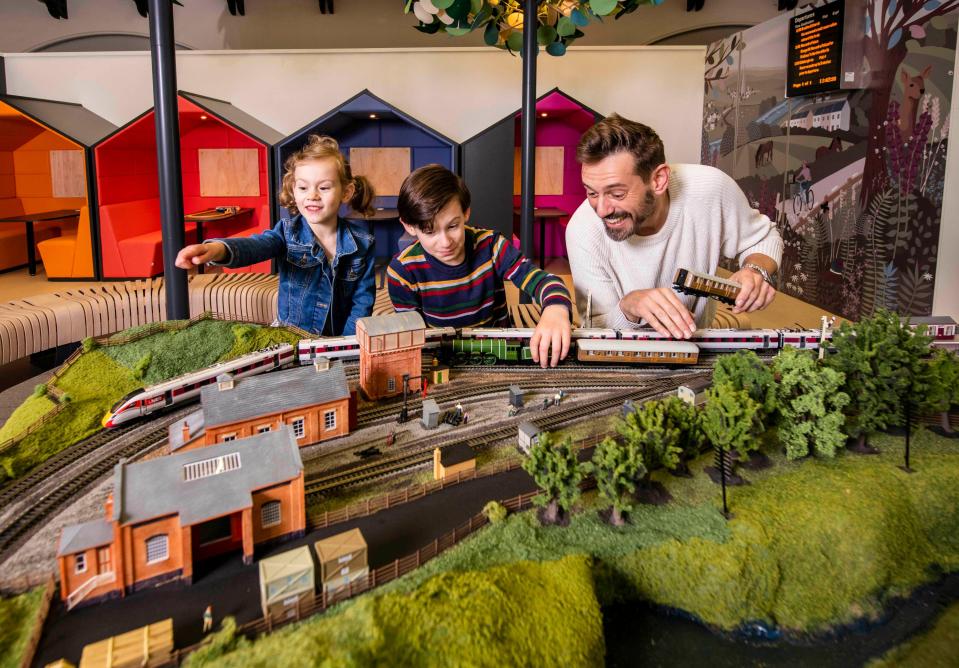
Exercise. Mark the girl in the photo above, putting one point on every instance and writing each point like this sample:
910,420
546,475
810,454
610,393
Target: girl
326,262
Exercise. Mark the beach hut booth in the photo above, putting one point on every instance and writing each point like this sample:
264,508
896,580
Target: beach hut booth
46,185
225,163
286,583
492,170
383,144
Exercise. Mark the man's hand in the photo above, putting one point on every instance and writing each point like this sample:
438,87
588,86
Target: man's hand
662,309
553,332
194,254
755,295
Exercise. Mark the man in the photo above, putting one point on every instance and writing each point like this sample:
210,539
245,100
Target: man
644,219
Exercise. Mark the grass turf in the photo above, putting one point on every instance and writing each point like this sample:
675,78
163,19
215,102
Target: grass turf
498,617
98,378
17,617
938,648
31,410
813,544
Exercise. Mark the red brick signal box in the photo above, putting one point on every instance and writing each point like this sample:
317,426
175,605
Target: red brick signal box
390,346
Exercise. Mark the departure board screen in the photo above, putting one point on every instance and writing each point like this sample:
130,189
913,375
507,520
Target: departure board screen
815,51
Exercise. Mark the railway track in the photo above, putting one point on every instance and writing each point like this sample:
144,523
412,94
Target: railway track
53,484
422,450
378,413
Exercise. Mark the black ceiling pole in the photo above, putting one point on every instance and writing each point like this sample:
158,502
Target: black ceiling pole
528,159
168,156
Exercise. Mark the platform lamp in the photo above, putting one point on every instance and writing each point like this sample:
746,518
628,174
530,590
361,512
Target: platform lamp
721,455
404,412
907,409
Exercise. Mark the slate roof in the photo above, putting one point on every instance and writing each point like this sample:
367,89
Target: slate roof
456,454
831,108
698,385
80,537
272,393
529,429
929,320
194,422
156,488
406,321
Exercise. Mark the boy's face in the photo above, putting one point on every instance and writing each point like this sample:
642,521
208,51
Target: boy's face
318,192
447,240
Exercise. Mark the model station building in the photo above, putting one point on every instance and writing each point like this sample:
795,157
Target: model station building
391,346
165,515
314,401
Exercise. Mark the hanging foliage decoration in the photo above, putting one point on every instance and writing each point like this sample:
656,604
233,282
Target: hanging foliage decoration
559,21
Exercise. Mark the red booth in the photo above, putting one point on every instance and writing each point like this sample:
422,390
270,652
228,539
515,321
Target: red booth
225,162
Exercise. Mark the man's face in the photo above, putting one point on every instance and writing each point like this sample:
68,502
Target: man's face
447,240
618,195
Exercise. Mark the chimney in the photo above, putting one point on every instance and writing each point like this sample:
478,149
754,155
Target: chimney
108,507
224,381
436,464
186,431
321,364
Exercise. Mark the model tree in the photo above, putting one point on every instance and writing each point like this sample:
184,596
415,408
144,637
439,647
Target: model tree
727,418
868,356
943,389
657,443
557,472
810,404
684,418
746,371
616,468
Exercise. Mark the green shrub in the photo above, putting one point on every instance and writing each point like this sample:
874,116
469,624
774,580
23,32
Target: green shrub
89,344
39,390
140,369
495,512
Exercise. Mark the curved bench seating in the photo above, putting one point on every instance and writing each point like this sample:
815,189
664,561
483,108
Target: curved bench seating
35,324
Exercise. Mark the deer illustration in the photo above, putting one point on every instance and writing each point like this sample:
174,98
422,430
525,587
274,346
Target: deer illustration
912,89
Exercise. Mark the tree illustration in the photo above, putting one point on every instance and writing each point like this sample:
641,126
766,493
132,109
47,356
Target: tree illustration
684,418
810,403
869,356
943,388
719,58
888,25
727,418
616,467
557,472
657,442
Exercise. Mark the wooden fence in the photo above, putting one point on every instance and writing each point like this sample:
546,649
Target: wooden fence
326,518
31,649
378,577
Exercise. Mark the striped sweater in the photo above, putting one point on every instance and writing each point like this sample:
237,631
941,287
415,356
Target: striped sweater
470,294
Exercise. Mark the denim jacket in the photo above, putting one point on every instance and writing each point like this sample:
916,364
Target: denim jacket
306,296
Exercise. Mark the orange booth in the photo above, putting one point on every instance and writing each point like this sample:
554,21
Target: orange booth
46,169
225,161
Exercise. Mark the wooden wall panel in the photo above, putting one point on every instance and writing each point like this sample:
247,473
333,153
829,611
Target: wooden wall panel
229,172
549,170
68,174
384,167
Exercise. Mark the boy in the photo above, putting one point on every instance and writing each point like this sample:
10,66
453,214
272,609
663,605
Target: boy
453,274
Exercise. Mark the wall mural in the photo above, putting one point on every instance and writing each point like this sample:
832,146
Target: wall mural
854,179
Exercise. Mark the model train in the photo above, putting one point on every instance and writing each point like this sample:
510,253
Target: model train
469,345
691,282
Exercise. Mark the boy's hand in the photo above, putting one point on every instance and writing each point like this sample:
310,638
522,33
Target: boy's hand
194,254
553,332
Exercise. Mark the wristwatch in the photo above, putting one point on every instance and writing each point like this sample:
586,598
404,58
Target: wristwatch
759,270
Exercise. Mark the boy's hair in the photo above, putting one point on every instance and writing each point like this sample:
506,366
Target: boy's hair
322,147
614,134
426,191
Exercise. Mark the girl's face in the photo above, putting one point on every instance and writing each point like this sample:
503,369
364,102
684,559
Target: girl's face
318,191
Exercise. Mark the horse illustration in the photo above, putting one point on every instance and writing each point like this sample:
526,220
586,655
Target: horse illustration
834,145
764,153
912,89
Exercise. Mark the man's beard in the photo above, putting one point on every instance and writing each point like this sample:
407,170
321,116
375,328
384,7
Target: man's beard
640,217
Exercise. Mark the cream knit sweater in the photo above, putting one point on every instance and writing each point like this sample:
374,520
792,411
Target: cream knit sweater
709,217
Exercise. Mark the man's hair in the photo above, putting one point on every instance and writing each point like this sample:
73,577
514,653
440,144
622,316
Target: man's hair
615,134
426,191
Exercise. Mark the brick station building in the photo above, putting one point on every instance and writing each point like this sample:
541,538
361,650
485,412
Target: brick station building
167,514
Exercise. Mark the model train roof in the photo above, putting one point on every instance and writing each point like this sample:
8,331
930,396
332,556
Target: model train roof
639,344
159,487
272,393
